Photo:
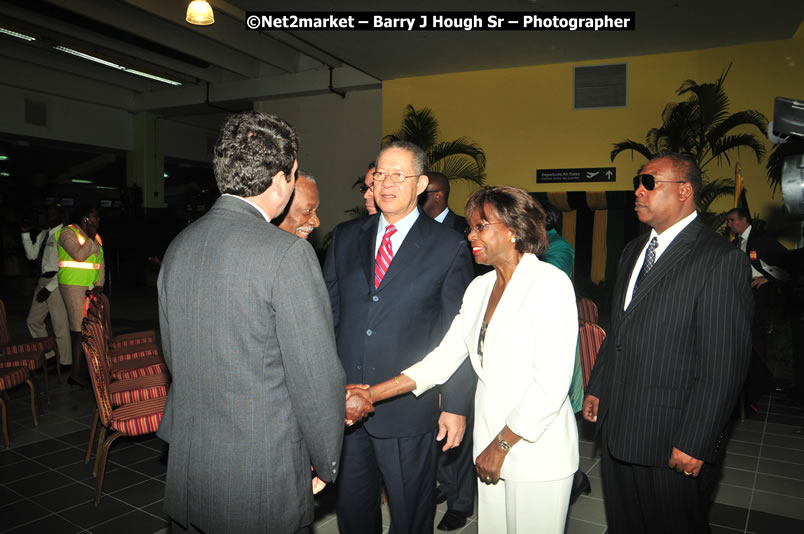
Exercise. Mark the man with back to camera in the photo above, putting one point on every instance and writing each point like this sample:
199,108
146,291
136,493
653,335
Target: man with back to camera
668,375
258,391
301,216
396,280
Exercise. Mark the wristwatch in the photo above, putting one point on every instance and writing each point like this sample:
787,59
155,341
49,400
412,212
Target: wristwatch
502,443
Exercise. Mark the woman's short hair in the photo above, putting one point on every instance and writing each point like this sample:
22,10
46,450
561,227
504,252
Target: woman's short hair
80,211
517,210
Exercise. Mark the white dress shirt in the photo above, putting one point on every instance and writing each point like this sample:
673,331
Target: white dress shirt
402,226
664,239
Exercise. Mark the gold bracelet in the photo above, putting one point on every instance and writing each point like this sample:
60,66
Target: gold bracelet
396,379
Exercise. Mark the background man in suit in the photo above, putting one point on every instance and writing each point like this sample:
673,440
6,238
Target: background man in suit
456,468
366,189
257,393
396,280
301,217
668,375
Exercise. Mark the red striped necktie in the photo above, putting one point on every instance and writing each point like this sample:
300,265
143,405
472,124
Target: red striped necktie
384,255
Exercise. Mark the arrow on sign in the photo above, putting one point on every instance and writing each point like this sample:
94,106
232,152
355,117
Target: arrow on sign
608,175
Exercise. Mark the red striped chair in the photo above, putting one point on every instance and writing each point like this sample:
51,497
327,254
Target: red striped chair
134,419
11,377
137,364
30,354
122,342
587,311
589,341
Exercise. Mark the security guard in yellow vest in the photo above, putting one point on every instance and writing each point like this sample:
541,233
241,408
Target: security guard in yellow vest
81,269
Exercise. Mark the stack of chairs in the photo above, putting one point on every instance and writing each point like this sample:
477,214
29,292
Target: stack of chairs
130,383
137,407
29,354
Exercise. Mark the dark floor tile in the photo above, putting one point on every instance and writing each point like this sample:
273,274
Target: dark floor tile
727,516
717,529
131,455
62,458
153,467
49,525
765,523
81,471
156,444
8,457
794,420
34,485
21,512
142,494
157,509
120,479
79,438
87,515
41,448
19,470
134,523
8,496
65,497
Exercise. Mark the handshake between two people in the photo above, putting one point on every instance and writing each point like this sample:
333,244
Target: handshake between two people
361,398
359,403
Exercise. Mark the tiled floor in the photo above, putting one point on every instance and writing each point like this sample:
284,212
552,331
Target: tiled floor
45,487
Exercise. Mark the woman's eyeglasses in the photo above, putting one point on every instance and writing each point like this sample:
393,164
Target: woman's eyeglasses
478,228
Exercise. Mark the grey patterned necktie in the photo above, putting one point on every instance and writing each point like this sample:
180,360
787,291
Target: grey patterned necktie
738,241
650,259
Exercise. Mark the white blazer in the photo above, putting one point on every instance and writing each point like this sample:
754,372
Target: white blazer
528,360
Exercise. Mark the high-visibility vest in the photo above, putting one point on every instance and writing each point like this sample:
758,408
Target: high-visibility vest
78,273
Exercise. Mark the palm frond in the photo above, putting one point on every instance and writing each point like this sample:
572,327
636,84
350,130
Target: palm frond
633,146
713,190
418,127
722,146
458,167
460,147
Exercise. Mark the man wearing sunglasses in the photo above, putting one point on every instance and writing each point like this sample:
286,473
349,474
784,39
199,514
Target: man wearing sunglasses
668,375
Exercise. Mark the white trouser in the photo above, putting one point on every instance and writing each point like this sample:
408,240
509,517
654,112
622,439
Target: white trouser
523,507
54,305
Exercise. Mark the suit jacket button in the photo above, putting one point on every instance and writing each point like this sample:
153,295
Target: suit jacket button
369,332
375,298
619,347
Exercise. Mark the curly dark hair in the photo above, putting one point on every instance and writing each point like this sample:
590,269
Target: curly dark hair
252,148
517,210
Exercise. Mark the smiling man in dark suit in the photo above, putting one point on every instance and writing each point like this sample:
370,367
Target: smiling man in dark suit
669,372
257,393
396,280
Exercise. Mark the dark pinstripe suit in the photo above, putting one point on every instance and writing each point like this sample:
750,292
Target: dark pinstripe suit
672,365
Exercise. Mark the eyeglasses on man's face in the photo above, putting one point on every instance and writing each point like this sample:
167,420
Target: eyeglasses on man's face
396,177
649,182
363,188
478,228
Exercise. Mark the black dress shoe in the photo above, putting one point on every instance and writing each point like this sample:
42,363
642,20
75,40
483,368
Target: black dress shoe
440,496
580,484
452,520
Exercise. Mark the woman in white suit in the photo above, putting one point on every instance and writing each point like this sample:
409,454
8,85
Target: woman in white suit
518,325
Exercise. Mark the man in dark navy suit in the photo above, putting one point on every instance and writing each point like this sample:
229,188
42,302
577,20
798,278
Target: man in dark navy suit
396,280
668,375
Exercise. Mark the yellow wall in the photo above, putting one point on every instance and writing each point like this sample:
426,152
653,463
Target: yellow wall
524,117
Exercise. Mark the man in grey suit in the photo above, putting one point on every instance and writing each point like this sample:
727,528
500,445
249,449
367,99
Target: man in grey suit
668,375
258,390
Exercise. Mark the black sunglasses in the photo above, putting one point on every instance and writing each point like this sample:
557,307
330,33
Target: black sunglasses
649,182
363,188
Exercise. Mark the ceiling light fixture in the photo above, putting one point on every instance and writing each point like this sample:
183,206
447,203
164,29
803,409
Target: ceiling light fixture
79,181
17,35
114,65
199,12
